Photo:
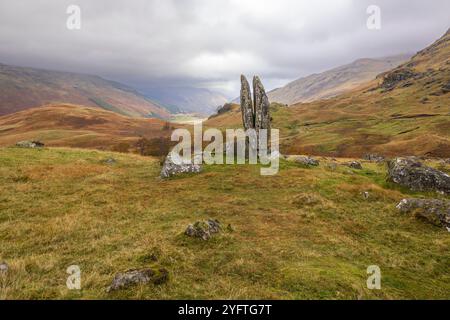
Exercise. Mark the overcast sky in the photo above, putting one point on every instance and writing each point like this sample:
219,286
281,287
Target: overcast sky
209,43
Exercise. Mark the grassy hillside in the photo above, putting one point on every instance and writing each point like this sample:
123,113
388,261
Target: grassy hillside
405,111
78,126
23,88
334,82
305,233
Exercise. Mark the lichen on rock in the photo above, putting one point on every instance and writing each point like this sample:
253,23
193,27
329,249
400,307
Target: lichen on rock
134,276
435,211
411,173
203,229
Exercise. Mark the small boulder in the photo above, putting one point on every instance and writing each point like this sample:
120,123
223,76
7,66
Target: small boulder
30,144
4,268
110,161
307,161
203,229
374,157
135,276
418,177
170,168
435,211
366,195
354,165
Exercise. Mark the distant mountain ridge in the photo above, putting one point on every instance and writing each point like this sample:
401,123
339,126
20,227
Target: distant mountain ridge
336,81
187,99
23,88
403,111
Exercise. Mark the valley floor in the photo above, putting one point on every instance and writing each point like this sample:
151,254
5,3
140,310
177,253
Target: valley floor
306,233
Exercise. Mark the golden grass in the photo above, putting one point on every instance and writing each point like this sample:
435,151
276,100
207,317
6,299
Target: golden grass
302,234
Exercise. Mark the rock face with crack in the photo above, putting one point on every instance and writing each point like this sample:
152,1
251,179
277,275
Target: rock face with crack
374,157
410,173
142,276
435,211
256,113
203,229
170,168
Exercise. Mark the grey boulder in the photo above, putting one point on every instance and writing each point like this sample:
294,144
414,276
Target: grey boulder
307,161
170,168
203,229
435,211
30,144
410,173
354,165
135,276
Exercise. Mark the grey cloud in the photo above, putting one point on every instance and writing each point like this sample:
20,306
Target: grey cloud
209,43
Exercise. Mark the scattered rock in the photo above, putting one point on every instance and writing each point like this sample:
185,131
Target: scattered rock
4,268
308,161
135,276
418,177
354,165
30,144
110,161
392,78
171,169
203,229
332,166
374,157
366,195
435,211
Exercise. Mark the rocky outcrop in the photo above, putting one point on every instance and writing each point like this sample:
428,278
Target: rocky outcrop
203,229
307,161
393,78
143,276
256,113
410,173
434,211
170,168
30,144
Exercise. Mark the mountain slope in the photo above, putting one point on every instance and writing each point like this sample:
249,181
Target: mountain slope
23,88
405,111
187,99
77,126
336,81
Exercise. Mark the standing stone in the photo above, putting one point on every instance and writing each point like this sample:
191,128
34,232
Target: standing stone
262,105
246,105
